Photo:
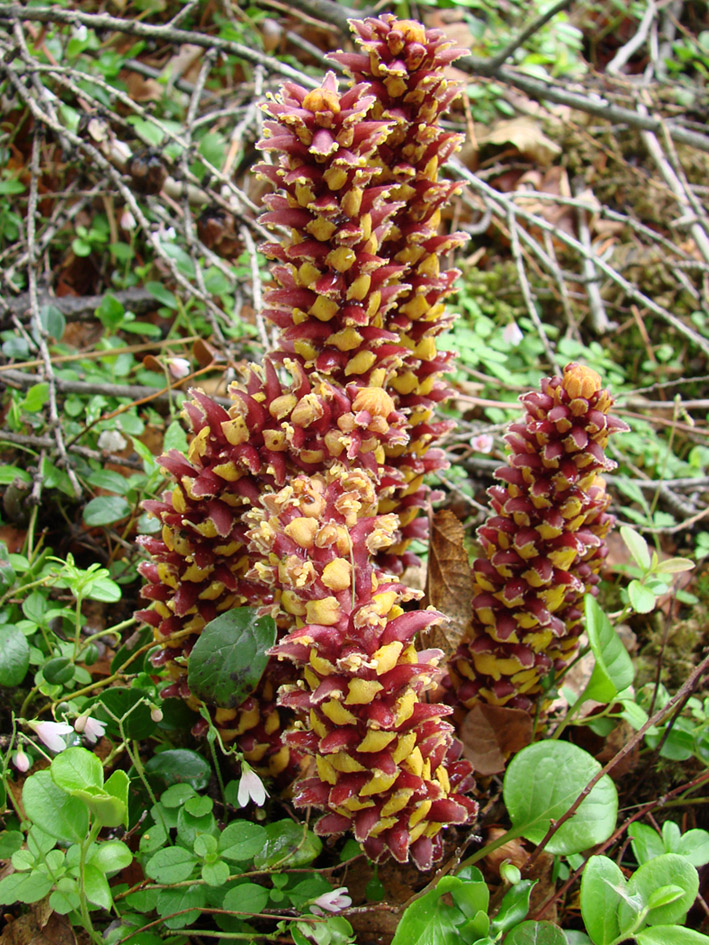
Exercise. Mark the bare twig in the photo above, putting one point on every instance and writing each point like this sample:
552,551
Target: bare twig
626,52
675,703
526,289
38,329
81,308
501,204
599,319
158,397
155,31
533,27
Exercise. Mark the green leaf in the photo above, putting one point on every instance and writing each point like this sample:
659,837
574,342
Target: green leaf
117,786
674,566
76,769
670,869
613,670
514,906
637,546
14,656
24,887
198,805
8,474
536,933
65,897
670,935
176,795
287,843
105,509
215,874
96,887
189,827
10,842
175,438
39,842
108,810
229,657
646,842
246,897
664,896
180,765
602,891
110,312
428,920
177,900
111,856
36,397
241,841
543,780
110,480
52,320
163,295
128,705
171,865
144,900
694,847
58,670
52,809
642,599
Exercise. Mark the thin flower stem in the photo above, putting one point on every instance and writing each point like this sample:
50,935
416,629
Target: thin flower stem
134,755
85,915
480,854
114,629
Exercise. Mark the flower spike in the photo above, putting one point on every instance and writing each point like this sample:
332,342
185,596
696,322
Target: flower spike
542,546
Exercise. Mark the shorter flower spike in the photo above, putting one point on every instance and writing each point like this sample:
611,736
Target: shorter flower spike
542,546
386,761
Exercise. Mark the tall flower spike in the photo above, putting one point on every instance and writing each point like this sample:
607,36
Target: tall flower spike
404,64
198,569
386,761
543,546
334,290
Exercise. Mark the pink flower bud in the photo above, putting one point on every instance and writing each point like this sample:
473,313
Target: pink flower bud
21,760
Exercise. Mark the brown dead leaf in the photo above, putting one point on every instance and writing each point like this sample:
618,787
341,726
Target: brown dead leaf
554,181
40,926
204,353
449,582
512,852
491,733
183,64
524,134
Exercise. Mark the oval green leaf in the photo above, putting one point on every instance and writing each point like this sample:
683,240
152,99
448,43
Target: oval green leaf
613,670
670,935
76,769
14,656
540,785
287,843
636,545
171,865
180,765
670,869
246,897
602,891
229,657
106,509
536,933
52,809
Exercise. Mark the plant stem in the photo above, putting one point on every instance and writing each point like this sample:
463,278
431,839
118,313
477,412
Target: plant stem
114,629
510,834
134,755
85,916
